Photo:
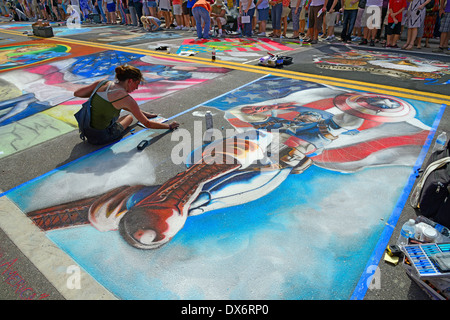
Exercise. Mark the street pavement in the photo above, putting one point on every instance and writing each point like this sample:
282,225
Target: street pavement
30,163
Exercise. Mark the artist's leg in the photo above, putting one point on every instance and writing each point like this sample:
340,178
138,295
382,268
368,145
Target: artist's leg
125,121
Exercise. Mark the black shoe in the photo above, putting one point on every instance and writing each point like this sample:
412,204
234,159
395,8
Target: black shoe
363,42
372,43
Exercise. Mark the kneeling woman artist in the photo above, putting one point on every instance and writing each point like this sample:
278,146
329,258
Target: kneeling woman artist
110,99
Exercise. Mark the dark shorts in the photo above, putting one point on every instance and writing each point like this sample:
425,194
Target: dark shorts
113,133
394,29
185,9
111,7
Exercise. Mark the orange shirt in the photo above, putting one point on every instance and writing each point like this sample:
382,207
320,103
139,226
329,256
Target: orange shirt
203,3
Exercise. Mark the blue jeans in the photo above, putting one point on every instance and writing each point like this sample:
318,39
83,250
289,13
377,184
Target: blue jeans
138,7
99,2
201,14
276,16
247,27
296,19
348,24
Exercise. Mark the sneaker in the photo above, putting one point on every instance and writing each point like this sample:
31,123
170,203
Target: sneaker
177,28
372,43
438,50
355,38
330,38
262,34
313,42
363,42
185,28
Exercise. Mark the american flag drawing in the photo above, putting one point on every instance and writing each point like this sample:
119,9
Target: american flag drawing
232,45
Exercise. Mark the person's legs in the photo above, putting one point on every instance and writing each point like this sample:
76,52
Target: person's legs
247,28
276,19
345,24
296,22
206,19
125,121
100,8
138,8
353,14
198,21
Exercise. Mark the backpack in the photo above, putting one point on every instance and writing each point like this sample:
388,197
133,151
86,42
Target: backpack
83,116
431,194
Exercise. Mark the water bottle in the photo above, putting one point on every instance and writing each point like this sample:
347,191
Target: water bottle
440,142
208,120
207,137
406,233
213,55
301,42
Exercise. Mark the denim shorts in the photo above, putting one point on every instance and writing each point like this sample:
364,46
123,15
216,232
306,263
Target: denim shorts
98,137
111,7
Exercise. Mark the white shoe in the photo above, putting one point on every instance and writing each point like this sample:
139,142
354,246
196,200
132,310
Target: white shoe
177,28
262,34
332,37
193,29
185,28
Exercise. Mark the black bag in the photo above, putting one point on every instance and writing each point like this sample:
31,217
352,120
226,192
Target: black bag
83,115
430,5
431,194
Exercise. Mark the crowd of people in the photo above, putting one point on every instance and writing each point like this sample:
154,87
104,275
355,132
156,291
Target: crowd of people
366,22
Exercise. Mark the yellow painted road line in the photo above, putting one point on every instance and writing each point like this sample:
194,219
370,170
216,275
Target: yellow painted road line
332,81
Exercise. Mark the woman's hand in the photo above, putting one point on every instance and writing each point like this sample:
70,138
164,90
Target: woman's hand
174,125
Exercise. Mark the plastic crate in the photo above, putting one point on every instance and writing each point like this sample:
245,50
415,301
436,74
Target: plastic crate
419,257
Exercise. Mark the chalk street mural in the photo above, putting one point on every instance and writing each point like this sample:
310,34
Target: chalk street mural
29,53
234,49
275,219
28,95
389,64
